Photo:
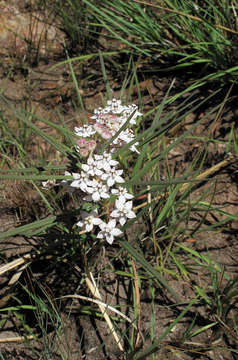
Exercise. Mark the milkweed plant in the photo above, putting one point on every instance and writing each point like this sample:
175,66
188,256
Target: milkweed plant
100,179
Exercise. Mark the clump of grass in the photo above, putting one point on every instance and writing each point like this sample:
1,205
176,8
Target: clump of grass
200,38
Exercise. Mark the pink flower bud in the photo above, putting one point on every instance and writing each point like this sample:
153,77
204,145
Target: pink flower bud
103,131
106,134
84,152
111,117
91,145
81,142
98,127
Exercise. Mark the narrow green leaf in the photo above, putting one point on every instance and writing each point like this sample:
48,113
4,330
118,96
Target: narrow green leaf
149,268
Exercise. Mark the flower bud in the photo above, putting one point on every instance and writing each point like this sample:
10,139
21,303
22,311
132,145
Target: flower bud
81,142
91,145
84,152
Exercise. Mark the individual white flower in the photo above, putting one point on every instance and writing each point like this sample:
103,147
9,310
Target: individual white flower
92,167
85,131
127,136
89,220
113,176
80,181
123,210
108,231
129,111
122,191
105,161
97,190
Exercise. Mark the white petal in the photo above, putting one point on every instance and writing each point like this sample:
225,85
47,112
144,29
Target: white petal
94,183
83,187
85,167
90,190
89,227
104,195
128,196
75,183
110,239
98,172
131,215
114,163
114,191
115,213
106,166
116,232
112,223
76,176
91,172
120,203
96,221
110,182
90,161
102,225
122,220
101,235
119,179
128,205
96,196
104,176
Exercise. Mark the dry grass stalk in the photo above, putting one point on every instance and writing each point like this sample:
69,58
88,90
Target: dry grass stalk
94,290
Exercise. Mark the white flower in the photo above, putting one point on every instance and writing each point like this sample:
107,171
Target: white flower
89,220
105,161
129,111
108,231
123,210
113,176
92,167
122,191
80,181
85,131
127,136
97,190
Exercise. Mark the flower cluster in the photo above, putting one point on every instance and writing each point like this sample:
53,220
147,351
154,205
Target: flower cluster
100,179
108,121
